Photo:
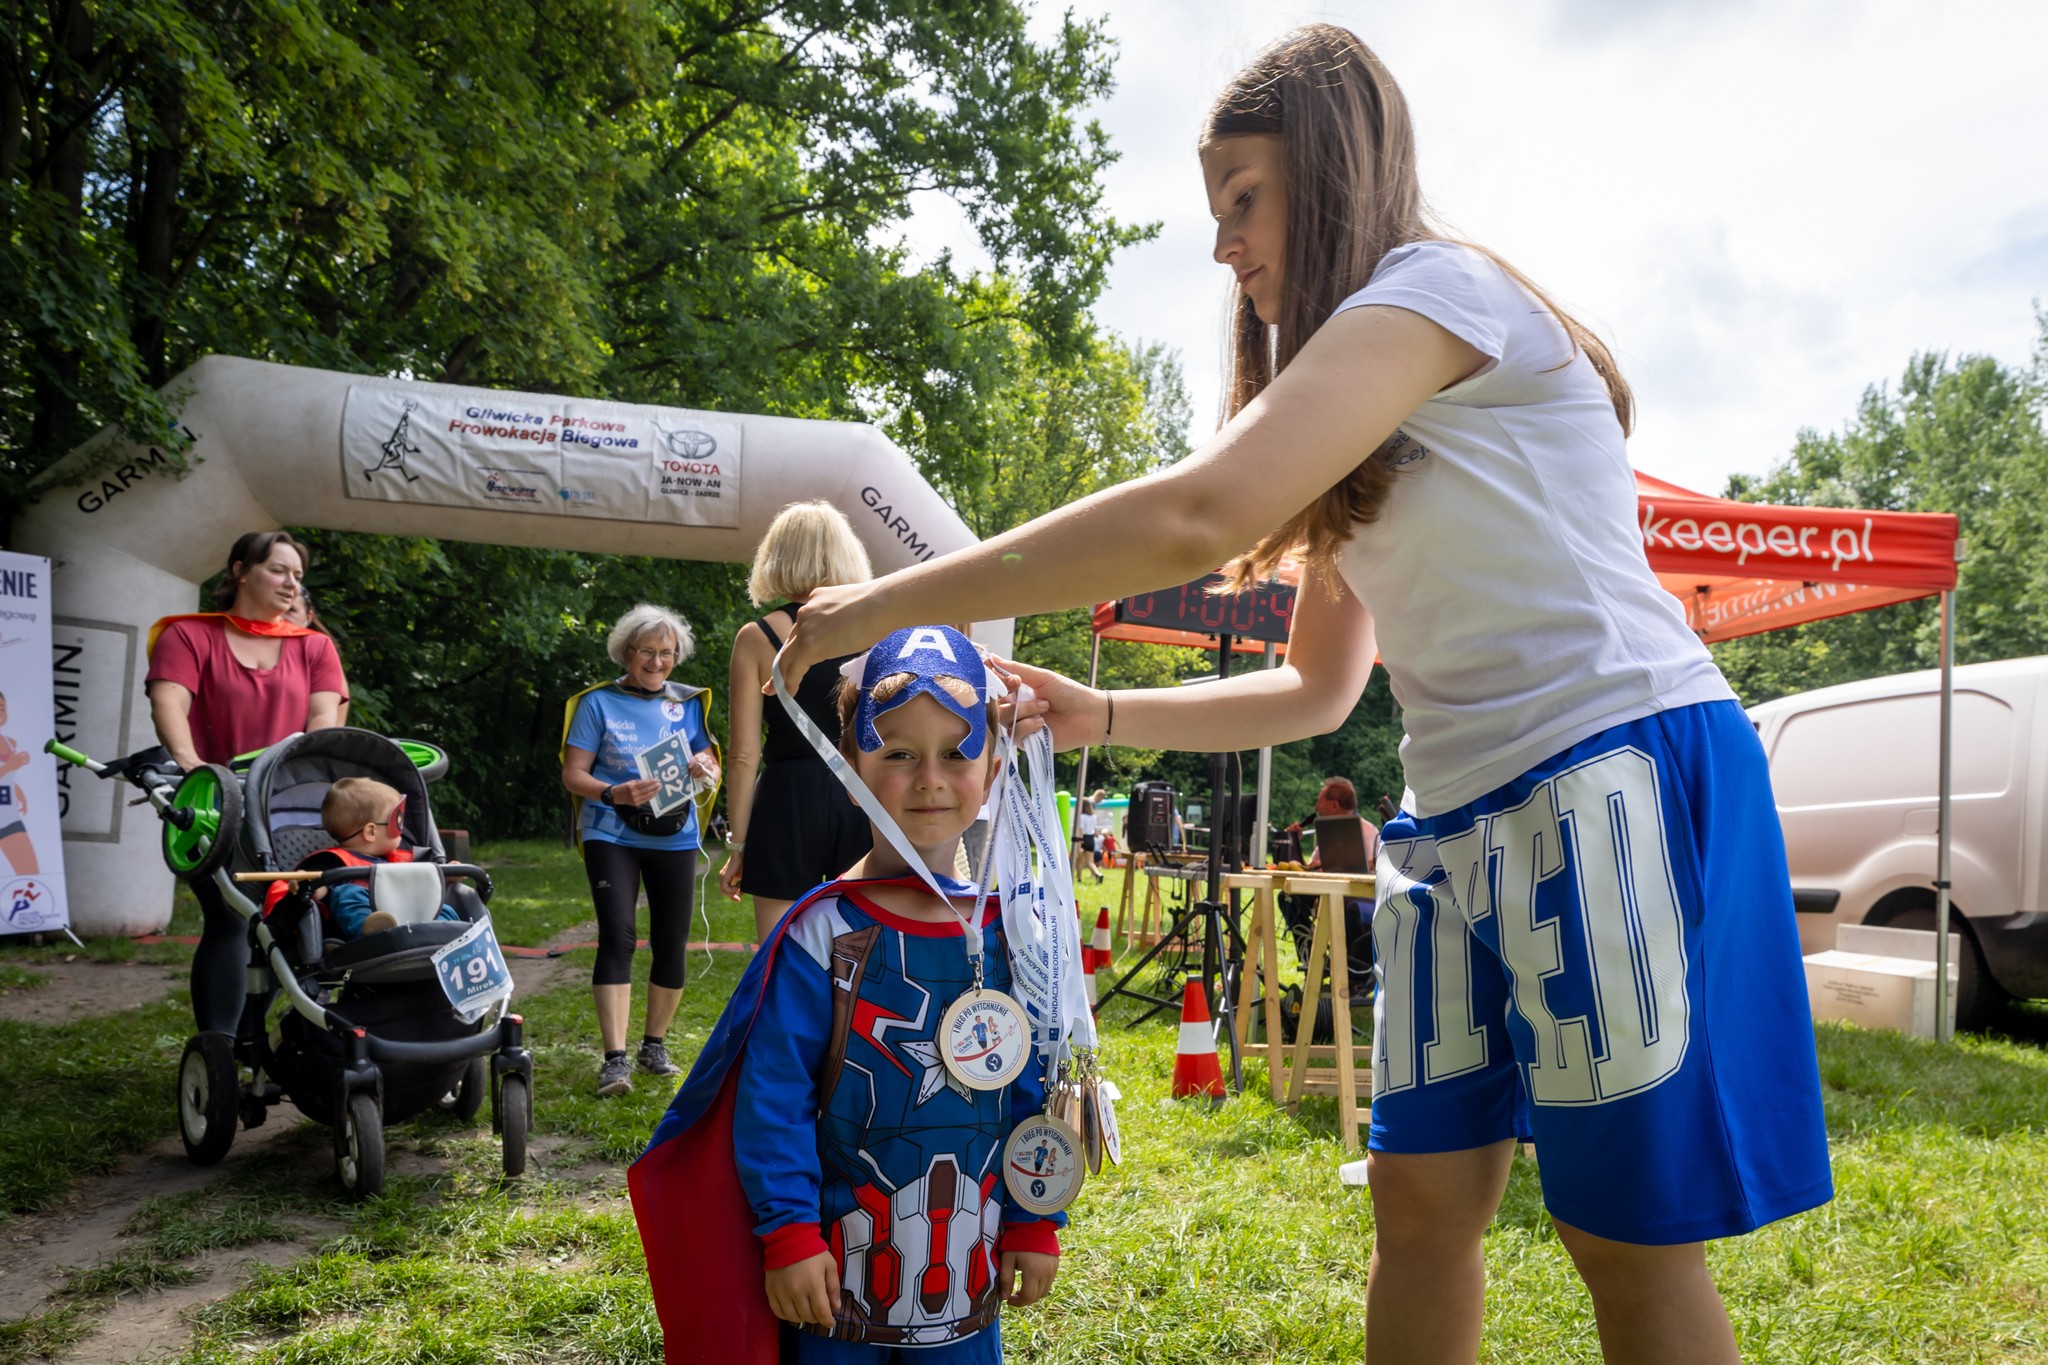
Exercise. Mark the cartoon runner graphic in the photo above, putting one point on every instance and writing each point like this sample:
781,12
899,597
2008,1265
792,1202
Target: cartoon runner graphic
14,840
396,447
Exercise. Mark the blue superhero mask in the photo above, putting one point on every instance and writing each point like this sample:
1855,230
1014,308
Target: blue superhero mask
927,653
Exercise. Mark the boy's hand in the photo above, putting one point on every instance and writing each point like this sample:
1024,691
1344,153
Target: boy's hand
809,1290
1026,1277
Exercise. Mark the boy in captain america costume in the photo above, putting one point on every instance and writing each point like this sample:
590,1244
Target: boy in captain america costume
821,1165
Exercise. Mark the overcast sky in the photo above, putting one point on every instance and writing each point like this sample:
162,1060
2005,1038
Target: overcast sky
1763,205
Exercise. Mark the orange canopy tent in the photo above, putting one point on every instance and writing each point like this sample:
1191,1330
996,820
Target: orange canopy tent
1744,567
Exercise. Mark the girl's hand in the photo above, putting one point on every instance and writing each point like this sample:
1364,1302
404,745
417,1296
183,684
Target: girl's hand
809,1290
1078,715
729,874
835,621
1026,1277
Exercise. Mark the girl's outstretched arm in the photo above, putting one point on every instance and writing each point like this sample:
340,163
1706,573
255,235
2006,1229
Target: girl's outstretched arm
1329,660
1350,386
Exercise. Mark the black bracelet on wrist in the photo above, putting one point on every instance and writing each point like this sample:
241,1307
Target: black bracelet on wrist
1109,723
605,797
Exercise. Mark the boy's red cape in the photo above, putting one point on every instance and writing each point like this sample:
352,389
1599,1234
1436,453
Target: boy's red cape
696,1226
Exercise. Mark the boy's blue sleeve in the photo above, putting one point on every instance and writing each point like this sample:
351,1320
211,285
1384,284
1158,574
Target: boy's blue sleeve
775,1107
586,730
348,905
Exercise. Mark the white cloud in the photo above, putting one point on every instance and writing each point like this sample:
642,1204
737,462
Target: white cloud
1763,207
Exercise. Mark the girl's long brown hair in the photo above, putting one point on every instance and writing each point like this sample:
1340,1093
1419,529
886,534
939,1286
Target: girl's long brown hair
1352,196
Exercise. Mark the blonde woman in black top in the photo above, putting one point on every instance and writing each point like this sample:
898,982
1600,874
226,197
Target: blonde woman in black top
793,825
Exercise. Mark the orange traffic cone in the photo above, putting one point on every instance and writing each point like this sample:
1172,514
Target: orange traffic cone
1088,975
1101,944
1195,1069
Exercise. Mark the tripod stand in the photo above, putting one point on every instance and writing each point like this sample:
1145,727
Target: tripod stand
1222,944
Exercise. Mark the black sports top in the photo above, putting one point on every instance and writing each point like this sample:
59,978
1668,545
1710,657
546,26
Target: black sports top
813,693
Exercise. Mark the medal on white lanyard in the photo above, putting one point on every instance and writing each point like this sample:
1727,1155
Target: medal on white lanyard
984,1036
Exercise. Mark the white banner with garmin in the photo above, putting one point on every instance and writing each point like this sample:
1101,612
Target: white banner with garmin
32,877
552,456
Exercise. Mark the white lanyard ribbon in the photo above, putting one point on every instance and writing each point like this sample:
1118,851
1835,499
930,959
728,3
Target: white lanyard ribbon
1040,917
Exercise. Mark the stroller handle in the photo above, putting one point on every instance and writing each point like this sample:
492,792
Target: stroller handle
334,875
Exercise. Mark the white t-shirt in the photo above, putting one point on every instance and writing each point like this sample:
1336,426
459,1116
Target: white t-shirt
1516,612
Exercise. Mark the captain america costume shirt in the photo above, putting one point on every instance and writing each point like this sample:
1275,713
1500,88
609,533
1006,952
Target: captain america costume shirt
851,1137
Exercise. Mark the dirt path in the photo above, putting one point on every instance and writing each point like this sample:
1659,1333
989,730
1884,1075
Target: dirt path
86,1227
532,976
81,990
158,1325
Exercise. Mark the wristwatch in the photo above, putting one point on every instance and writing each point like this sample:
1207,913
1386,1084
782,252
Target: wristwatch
605,796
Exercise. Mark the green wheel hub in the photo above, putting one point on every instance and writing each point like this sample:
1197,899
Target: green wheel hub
201,823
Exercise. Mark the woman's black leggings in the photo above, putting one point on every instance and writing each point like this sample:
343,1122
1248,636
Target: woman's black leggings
616,873
219,981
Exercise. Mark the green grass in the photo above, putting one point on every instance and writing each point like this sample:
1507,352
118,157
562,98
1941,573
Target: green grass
1224,1235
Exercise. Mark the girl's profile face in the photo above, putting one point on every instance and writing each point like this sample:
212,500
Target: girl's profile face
1247,186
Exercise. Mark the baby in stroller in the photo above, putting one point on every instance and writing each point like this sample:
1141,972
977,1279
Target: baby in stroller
366,820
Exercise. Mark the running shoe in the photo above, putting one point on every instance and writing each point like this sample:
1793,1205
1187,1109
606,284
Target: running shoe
655,1061
614,1077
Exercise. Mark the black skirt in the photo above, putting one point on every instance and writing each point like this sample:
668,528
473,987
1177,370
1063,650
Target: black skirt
804,830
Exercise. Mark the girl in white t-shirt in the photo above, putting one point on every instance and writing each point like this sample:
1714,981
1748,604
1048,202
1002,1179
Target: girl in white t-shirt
1584,930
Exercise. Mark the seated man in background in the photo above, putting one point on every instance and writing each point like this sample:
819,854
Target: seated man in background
1338,801
1339,798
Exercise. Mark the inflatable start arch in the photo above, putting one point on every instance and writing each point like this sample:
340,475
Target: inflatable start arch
273,444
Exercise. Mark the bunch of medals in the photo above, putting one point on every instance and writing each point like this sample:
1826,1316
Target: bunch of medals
985,1037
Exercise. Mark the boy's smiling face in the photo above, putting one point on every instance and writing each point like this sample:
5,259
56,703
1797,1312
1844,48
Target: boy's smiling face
920,776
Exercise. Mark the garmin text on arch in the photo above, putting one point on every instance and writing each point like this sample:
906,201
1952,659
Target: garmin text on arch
117,480
918,548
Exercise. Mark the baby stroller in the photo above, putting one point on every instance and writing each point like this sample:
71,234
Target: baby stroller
377,1030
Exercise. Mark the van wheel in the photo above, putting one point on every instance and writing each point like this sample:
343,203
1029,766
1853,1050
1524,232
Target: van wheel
1978,998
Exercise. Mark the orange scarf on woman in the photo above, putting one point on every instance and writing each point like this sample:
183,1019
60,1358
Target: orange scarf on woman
275,630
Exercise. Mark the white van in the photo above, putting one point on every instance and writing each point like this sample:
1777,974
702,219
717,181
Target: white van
1855,769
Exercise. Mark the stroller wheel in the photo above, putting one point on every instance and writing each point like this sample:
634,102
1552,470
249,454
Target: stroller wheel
515,1116
209,1097
470,1091
203,822
360,1160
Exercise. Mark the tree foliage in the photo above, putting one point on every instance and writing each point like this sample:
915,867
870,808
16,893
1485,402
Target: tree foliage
688,202
1968,436
683,201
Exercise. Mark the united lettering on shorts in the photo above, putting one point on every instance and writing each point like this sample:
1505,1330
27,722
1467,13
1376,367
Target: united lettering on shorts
1042,1165
985,1039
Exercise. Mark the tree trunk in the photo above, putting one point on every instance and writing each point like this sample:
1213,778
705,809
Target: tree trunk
53,427
154,229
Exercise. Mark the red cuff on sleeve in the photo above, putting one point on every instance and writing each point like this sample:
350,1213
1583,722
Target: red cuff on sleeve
790,1243
1040,1237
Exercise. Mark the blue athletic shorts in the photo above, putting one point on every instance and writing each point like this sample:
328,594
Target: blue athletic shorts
1601,957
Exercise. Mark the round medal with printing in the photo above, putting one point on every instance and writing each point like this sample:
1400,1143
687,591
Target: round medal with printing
1106,1095
984,1039
1091,1124
1042,1165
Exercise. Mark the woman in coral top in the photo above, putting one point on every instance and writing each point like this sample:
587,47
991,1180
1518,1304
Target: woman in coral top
222,683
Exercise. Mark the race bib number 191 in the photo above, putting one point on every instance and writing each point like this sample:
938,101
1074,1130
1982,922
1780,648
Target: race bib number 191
472,972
